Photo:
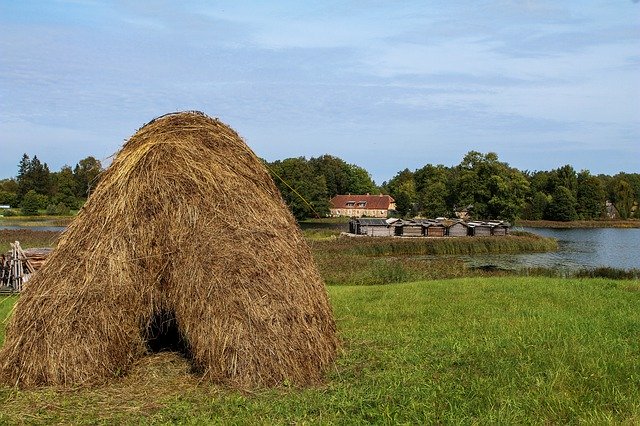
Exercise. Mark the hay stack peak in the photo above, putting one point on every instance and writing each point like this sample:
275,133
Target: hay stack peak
185,244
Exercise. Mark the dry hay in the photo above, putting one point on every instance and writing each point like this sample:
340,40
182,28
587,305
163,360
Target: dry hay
186,244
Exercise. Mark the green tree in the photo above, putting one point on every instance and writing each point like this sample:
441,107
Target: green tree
9,192
495,190
8,198
360,182
33,175
24,179
86,174
508,190
590,196
538,206
302,190
65,188
562,206
432,188
623,197
564,176
342,177
30,203
402,188
404,205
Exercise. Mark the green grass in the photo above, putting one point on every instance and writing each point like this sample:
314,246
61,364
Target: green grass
499,350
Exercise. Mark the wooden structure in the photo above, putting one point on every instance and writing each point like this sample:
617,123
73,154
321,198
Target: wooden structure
485,229
371,227
458,229
480,229
15,269
425,228
434,229
500,229
408,228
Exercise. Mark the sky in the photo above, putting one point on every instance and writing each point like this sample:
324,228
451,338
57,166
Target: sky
386,85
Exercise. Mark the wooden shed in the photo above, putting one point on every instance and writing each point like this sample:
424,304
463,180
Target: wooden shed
370,226
480,229
408,228
500,228
434,229
412,229
458,229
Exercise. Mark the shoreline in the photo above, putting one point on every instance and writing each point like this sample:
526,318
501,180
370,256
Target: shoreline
578,224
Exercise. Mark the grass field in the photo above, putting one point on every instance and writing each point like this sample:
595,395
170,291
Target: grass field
504,350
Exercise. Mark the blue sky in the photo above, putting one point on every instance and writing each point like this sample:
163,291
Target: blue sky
382,84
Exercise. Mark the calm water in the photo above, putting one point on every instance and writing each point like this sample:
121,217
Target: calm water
578,249
34,228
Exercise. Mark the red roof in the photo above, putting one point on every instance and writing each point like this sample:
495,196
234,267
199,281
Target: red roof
374,202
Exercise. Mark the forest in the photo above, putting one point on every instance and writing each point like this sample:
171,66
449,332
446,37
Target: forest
482,184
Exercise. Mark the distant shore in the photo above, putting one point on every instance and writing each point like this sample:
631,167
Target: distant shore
630,223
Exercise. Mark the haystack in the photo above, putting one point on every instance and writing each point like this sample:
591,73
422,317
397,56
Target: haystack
185,245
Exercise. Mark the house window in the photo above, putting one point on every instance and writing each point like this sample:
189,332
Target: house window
362,204
351,203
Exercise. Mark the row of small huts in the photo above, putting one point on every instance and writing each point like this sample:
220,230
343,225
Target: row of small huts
425,228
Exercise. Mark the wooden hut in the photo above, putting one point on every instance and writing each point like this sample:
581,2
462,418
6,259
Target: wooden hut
500,228
408,228
457,229
434,229
412,229
370,226
480,229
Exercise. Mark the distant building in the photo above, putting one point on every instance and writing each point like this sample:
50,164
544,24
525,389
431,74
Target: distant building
362,205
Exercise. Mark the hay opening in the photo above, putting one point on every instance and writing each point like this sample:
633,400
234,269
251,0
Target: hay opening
162,334
187,233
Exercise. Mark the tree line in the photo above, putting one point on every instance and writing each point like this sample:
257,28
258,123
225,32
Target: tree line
491,189
481,184
36,188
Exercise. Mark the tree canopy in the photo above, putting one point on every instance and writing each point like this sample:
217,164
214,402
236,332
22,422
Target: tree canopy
488,187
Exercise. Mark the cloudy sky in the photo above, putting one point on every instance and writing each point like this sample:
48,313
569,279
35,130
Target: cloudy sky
382,84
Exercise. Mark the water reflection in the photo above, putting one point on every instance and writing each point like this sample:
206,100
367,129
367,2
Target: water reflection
578,249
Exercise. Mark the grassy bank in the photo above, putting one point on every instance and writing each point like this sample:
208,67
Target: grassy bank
482,350
580,224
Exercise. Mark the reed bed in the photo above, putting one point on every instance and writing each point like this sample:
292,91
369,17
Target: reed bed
383,246
185,243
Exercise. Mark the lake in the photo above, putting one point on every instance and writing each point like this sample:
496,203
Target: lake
578,249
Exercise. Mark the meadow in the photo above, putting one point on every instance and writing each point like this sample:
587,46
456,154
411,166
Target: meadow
422,342
508,350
